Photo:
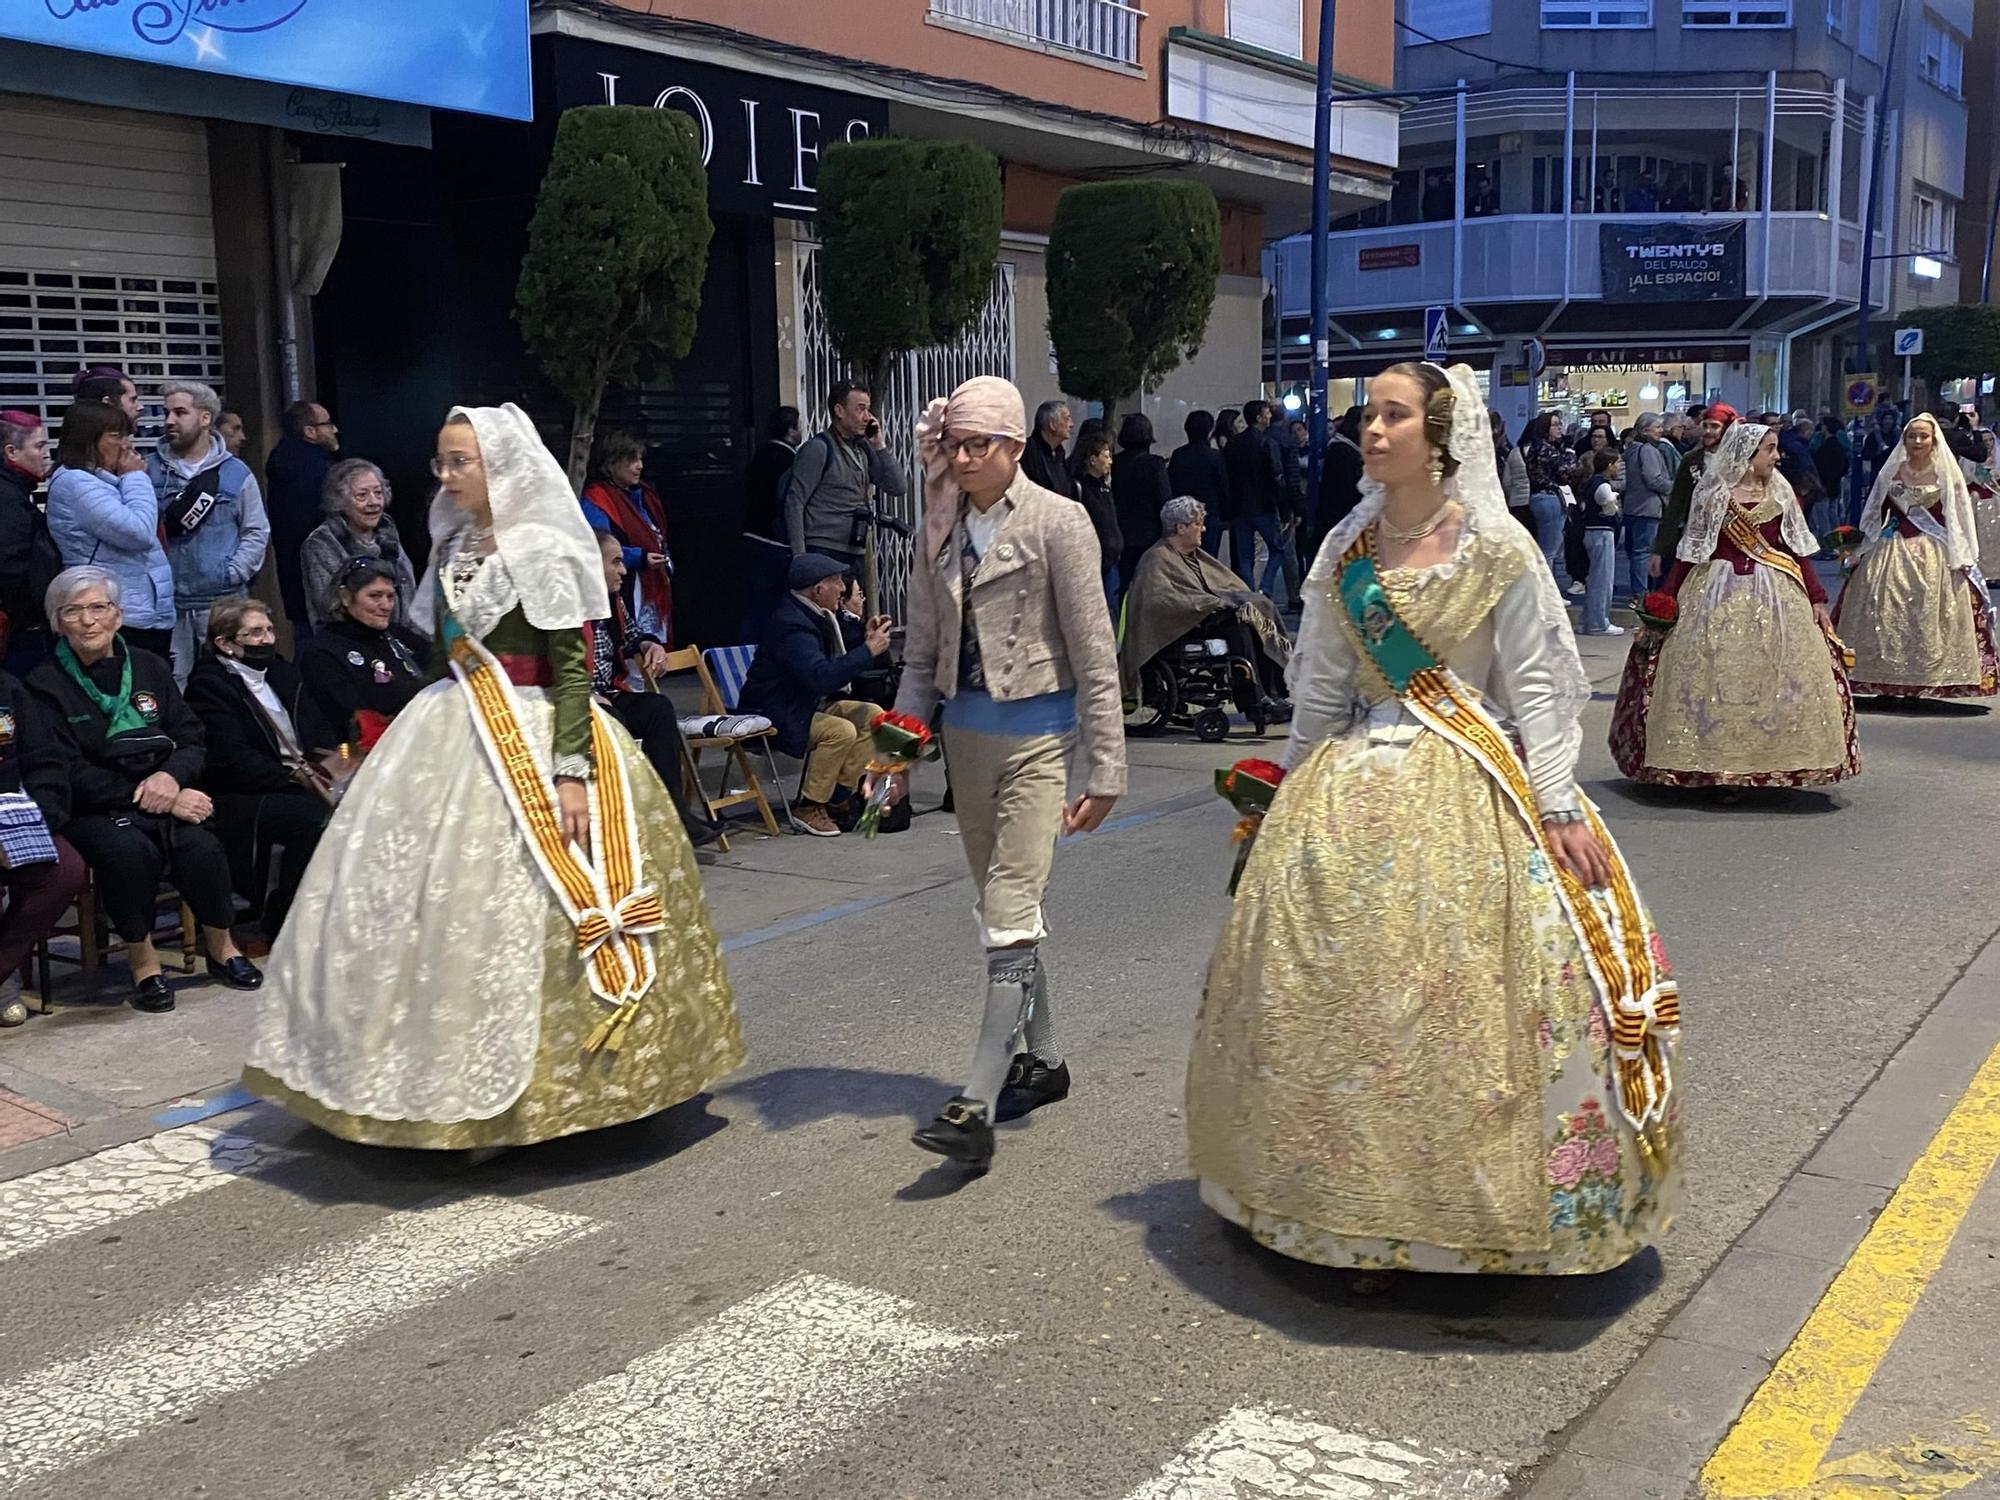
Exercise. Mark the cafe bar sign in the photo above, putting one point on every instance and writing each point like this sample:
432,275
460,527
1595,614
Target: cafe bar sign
761,136
1697,262
469,55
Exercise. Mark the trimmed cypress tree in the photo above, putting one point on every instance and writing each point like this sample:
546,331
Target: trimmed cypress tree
909,232
1132,273
610,287
1958,341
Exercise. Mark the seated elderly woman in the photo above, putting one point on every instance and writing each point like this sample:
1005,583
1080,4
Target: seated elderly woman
1180,589
272,796
356,500
135,752
362,668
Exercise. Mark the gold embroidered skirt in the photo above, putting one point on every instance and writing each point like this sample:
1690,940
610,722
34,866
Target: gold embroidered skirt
427,990
1400,1060
1915,625
1746,690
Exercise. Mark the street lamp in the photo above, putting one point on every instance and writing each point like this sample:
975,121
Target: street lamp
1322,190
1870,213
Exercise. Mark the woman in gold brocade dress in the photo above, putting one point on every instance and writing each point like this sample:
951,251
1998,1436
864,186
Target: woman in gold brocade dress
1438,1027
501,938
1748,688
1916,609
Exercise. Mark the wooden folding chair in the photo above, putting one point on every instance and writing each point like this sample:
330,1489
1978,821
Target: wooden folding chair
95,942
689,659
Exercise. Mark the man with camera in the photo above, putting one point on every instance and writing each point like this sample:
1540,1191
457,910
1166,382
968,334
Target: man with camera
829,499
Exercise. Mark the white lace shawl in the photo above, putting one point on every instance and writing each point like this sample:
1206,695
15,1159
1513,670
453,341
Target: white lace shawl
1961,529
552,567
1714,492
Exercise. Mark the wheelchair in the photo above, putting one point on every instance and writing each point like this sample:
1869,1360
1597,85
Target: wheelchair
1192,685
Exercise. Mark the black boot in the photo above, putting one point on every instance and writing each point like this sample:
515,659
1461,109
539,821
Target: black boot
1031,1083
961,1132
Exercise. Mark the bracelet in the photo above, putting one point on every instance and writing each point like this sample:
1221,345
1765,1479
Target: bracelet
1567,816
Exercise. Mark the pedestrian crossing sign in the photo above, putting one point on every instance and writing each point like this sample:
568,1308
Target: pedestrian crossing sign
1437,343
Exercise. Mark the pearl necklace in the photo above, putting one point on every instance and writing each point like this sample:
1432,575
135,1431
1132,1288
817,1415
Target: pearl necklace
1423,528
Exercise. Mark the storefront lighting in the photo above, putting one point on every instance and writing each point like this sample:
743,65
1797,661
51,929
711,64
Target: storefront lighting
1292,401
1385,333
1649,392
1302,339
1926,267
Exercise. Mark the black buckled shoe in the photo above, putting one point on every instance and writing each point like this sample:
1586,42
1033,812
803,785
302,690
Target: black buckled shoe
238,973
960,1132
152,996
1031,1083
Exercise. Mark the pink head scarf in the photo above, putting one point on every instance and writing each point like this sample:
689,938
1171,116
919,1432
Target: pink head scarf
985,404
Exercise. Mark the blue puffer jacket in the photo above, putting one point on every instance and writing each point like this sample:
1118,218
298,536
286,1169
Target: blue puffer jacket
114,523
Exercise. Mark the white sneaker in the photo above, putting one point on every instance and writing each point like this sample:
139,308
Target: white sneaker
1607,630
1577,590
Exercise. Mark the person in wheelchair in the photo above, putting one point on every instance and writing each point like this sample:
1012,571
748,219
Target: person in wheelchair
1183,594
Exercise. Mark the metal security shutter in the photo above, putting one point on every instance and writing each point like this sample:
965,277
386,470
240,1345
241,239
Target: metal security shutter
107,251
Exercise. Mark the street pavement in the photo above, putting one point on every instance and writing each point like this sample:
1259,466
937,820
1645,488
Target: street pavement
770,1292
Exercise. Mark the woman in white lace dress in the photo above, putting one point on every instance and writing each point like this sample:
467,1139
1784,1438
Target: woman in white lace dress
1916,610
502,937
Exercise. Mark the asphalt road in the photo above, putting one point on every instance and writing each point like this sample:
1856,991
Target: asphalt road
812,1311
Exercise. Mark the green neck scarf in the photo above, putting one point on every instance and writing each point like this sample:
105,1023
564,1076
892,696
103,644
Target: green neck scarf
119,710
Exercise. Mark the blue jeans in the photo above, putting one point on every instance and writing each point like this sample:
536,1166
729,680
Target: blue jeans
1243,549
1601,543
1640,534
1548,513
1112,593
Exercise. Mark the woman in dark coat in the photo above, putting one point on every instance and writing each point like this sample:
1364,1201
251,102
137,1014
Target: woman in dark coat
1139,486
136,754
362,668
271,796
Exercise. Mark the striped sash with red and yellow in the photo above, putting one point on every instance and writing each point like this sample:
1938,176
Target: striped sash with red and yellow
613,911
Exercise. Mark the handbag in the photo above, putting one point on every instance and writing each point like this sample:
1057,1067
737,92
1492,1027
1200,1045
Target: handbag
24,833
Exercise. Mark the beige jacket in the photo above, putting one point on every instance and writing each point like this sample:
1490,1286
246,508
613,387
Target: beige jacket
1038,604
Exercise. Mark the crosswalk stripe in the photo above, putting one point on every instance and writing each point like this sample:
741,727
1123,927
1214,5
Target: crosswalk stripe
79,1196
220,1345
755,1389
1267,1455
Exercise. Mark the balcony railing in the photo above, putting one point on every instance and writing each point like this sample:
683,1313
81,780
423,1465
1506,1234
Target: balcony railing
1520,258
1104,29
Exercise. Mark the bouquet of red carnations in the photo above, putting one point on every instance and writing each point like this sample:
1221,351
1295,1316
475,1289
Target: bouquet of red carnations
1249,786
899,741
1658,609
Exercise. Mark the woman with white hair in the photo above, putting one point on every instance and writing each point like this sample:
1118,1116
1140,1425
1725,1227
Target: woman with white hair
1916,610
501,938
357,524
135,752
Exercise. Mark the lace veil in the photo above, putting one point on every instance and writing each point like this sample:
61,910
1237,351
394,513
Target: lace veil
1959,524
551,566
1719,478
1476,486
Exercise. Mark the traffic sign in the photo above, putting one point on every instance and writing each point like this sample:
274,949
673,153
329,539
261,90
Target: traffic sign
1437,343
1909,342
1537,355
1860,395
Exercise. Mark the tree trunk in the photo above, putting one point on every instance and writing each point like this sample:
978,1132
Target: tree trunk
582,435
878,391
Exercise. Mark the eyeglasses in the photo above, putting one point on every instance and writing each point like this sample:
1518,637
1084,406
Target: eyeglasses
86,611
457,463
255,635
976,446
374,491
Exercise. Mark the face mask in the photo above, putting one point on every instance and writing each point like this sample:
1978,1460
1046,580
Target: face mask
259,657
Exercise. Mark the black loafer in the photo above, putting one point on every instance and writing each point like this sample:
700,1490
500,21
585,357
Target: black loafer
238,973
152,996
960,1132
1031,1083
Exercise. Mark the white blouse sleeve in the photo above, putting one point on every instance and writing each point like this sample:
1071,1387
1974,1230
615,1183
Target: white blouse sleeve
1525,687
1322,679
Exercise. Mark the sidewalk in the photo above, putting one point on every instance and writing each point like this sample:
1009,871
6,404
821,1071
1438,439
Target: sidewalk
1849,1344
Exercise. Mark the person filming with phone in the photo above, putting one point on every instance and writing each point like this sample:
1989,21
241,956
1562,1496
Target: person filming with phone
829,498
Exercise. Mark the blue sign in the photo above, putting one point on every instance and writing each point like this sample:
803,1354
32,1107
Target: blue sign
469,55
1437,346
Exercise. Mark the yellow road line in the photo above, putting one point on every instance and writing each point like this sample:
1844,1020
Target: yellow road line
1783,1435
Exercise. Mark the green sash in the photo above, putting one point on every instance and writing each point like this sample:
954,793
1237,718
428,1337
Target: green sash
1398,654
119,710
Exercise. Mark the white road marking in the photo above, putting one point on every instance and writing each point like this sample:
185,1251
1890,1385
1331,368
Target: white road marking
762,1385
1266,1455
38,1210
219,1345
